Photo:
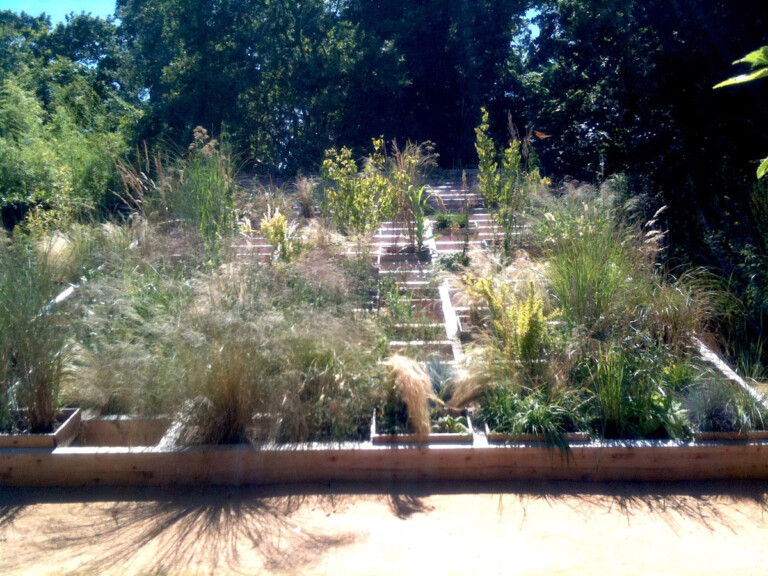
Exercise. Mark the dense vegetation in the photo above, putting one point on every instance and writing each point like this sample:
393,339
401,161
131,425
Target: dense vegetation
100,121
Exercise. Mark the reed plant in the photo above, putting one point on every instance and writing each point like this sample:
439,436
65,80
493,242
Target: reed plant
203,195
333,379
33,336
590,269
304,189
407,172
246,352
631,392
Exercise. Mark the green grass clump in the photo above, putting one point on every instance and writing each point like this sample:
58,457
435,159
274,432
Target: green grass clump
547,412
233,396
203,193
714,405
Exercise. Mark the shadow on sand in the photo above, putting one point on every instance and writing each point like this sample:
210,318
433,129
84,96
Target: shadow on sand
183,530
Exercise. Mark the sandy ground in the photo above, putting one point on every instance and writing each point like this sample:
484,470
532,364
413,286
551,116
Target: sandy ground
532,528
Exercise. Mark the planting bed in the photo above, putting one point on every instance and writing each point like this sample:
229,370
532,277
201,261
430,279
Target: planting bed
122,451
428,321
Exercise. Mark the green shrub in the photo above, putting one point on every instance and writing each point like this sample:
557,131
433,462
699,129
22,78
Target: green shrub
58,165
714,405
450,221
275,229
357,203
506,179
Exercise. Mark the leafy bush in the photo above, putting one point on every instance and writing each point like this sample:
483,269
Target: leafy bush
450,221
758,61
54,164
275,229
519,328
506,179
358,203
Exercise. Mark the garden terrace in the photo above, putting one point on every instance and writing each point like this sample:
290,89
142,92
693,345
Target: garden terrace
438,322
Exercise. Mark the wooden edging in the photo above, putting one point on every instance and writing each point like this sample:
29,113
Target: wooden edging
237,465
432,438
63,436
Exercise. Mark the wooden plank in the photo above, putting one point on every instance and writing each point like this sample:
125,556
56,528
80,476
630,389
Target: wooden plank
247,465
62,437
122,431
69,430
452,325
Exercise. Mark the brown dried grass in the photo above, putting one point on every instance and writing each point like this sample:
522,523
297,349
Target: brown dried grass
414,387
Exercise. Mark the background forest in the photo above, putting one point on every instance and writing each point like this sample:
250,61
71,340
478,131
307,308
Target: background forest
610,87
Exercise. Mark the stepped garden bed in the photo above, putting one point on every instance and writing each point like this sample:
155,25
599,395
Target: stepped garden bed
574,355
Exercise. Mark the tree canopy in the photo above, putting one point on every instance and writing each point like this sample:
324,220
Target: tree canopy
619,86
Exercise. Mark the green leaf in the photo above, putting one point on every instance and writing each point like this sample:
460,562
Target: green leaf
757,58
762,73
762,169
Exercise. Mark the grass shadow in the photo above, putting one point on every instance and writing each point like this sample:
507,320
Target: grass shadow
406,505
205,530
186,531
9,513
700,502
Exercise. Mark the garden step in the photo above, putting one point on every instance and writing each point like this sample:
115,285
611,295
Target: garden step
401,259
395,267
418,331
451,243
425,347
415,272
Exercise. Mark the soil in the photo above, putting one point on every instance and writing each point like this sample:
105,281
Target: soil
532,528
20,426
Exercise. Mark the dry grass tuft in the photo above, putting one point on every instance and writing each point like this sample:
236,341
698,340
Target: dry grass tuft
304,188
414,387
